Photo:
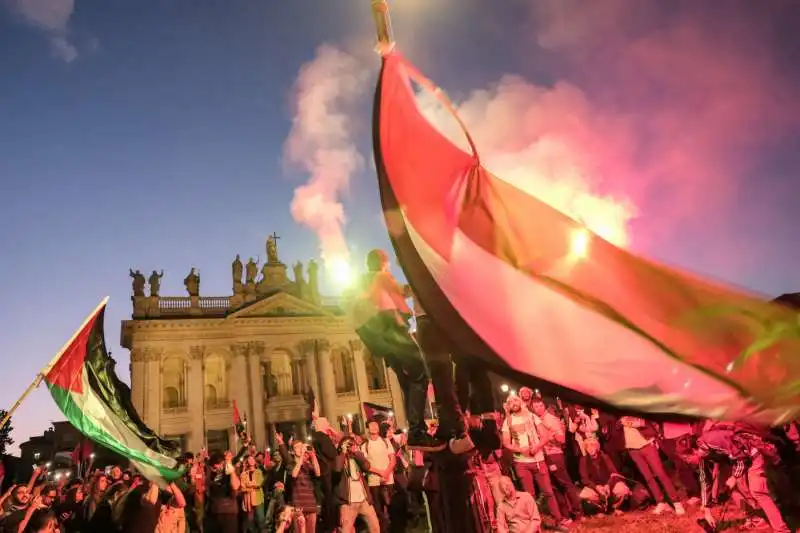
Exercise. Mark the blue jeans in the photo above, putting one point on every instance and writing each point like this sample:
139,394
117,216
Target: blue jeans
256,521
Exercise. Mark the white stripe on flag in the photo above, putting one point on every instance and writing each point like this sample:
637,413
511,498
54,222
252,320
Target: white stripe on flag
549,336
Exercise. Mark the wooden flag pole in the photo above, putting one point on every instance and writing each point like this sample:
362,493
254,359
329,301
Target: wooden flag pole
383,26
47,368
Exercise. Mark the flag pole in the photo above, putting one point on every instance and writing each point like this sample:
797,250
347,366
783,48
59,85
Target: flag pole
383,26
47,368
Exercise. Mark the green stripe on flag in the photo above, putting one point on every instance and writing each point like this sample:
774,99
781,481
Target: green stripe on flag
133,449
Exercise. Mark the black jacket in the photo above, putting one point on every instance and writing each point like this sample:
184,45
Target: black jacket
343,476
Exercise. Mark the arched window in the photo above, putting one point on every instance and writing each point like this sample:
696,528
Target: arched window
216,380
376,371
344,371
173,382
171,398
211,395
278,375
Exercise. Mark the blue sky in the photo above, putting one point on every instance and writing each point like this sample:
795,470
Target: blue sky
150,135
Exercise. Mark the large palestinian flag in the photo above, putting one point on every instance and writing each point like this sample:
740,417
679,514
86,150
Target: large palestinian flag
86,388
537,296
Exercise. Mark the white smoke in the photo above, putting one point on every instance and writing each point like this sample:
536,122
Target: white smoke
321,142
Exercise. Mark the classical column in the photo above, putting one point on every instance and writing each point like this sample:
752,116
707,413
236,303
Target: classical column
397,399
152,395
258,431
237,380
326,379
360,367
138,380
195,400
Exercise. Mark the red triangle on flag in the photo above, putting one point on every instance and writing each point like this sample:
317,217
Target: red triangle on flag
67,371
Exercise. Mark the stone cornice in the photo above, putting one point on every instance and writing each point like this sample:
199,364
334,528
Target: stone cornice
329,323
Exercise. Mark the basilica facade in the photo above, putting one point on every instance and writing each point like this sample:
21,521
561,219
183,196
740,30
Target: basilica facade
263,349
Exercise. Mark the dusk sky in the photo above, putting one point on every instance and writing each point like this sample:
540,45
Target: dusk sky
173,134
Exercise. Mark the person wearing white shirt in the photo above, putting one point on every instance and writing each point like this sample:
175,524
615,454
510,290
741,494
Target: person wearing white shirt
521,438
640,441
381,457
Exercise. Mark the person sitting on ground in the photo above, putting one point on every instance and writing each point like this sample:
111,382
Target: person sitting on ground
517,511
603,486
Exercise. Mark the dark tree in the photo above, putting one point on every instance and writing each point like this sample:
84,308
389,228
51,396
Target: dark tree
5,433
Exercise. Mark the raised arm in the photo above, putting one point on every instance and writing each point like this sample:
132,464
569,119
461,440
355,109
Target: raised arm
179,499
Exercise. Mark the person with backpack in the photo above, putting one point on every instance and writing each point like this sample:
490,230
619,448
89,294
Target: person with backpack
749,451
381,456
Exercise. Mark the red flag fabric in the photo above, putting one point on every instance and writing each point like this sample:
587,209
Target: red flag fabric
501,272
237,419
373,411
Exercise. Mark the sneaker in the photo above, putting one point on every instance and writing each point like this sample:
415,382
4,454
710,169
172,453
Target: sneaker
661,508
679,510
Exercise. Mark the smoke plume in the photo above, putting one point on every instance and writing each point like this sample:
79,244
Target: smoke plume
321,142
658,115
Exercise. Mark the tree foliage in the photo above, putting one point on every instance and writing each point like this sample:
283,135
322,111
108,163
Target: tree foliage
5,434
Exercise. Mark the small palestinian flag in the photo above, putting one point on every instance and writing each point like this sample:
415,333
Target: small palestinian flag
86,388
376,412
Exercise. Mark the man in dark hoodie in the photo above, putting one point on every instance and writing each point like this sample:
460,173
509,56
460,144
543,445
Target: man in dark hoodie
326,456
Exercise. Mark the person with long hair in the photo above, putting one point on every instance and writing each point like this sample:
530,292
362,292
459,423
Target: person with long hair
303,467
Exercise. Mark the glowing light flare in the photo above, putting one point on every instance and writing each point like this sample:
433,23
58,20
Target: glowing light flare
579,243
340,271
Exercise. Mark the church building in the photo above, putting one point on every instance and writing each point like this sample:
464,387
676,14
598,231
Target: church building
263,349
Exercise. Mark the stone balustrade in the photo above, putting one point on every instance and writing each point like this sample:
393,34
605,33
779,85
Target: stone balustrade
171,306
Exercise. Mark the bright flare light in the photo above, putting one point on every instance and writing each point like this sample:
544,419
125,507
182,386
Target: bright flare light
340,271
579,243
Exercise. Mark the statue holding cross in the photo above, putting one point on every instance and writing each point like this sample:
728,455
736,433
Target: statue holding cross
272,249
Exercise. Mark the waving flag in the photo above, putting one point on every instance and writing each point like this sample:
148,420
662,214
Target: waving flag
86,388
535,294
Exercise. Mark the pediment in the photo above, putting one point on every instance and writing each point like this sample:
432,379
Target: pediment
280,305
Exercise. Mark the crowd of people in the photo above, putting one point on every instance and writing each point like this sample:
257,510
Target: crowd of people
540,465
